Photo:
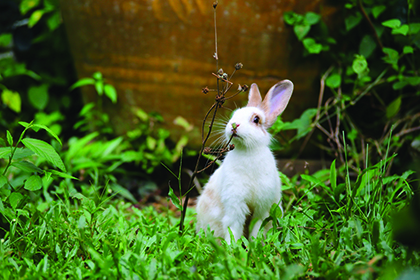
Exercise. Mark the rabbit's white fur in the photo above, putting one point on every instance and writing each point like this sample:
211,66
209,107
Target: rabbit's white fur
247,183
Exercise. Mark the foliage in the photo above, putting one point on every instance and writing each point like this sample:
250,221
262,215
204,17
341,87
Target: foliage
35,64
374,76
331,229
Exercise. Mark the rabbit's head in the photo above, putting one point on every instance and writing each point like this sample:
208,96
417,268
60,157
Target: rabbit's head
249,124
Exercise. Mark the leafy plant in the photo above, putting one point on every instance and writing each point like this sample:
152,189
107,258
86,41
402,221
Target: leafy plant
35,65
29,178
372,88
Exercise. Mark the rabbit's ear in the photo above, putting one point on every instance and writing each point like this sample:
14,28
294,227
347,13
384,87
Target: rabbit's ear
276,100
254,96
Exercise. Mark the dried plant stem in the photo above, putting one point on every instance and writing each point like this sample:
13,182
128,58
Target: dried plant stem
362,10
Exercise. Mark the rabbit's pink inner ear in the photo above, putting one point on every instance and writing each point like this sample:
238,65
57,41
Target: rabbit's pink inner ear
277,99
254,96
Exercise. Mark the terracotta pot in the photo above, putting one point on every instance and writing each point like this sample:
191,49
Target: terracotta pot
159,54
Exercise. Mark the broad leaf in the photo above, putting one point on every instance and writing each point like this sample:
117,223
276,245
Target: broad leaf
3,181
38,96
26,166
111,93
14,199
392,23
333,81
12,100
45,151
174,199
82,82
33,183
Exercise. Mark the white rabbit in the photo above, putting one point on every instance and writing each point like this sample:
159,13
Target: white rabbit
247,183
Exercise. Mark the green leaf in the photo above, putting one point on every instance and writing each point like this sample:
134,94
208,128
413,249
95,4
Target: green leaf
26,166
392,23
27,5
403,30
333,81
33,183
54,21
377,10
333,175
38,96
315,181
3,181
22,153
393,108
110,92
81,224
367,46
14,199
5,152
183,123
352,20
399,85
97,76
360,66
413,81
11,99
311,46
62,174
82,82
99,86
150,143
408,49
292,18
9,139
303,124
312,18
391,57
52,133
123,192
301,31
414,28
5,39
174,199
35,17
45,151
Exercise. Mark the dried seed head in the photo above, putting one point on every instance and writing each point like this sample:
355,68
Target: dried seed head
225,76
231,147
238,66
220,72
245,88
205,90
215,5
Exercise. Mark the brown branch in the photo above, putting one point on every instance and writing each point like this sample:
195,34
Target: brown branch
321,96
362,9
217,76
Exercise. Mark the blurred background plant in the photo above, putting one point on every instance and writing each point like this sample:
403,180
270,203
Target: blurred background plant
371,85
38,82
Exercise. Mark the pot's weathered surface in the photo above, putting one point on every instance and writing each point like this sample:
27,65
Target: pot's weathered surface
159,54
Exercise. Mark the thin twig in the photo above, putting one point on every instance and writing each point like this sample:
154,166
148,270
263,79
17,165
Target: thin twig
217,76
321,96
362,9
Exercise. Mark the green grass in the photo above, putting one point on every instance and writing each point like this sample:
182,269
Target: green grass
335,226
326,232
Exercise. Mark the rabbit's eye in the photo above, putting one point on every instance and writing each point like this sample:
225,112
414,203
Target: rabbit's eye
256,120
